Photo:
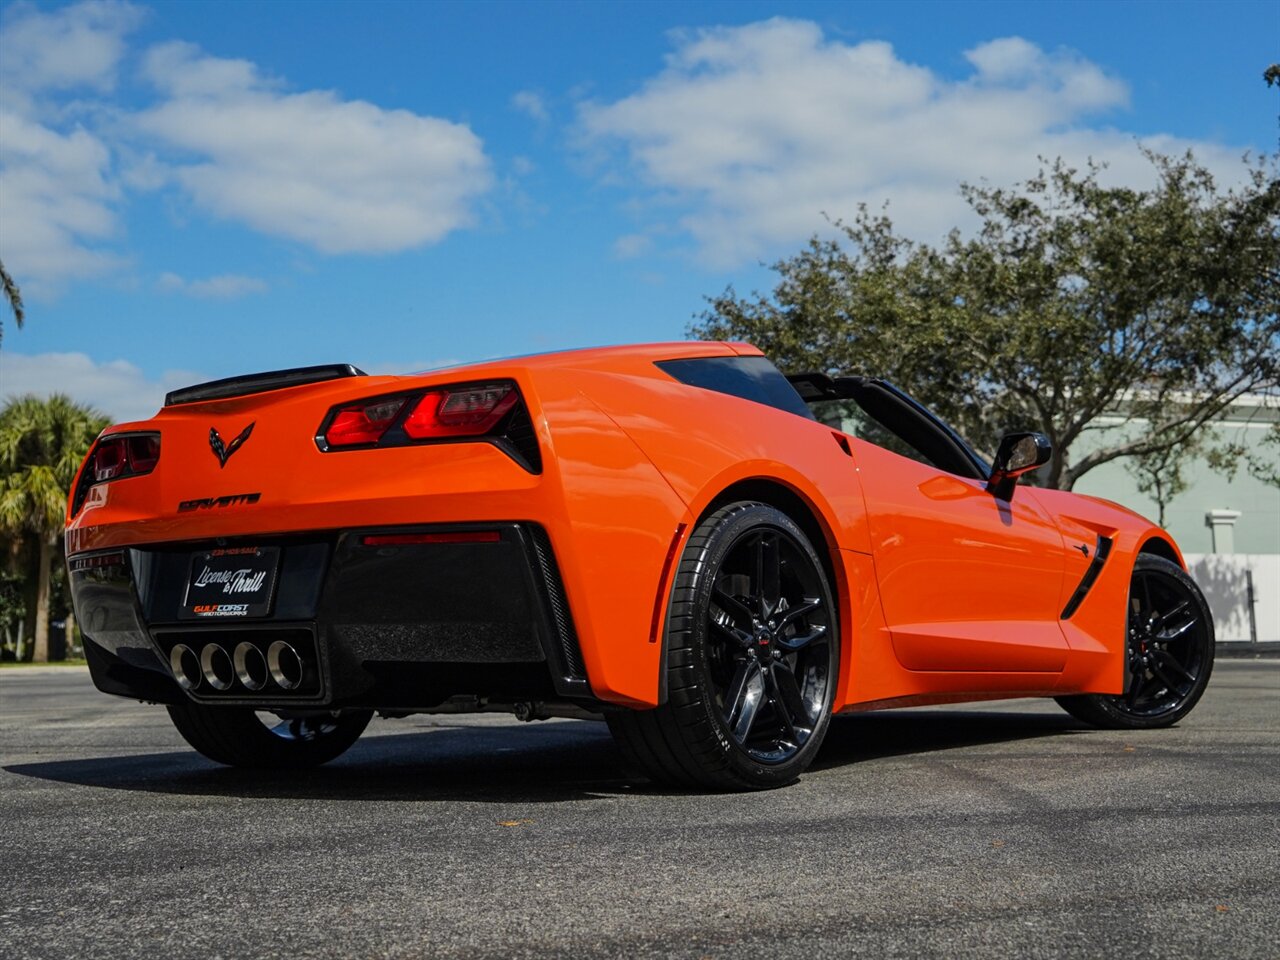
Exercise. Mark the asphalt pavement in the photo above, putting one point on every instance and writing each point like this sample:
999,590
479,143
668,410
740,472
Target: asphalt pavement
997,830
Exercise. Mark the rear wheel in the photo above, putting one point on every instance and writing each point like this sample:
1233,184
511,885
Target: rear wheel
240,737
1170,652
751,658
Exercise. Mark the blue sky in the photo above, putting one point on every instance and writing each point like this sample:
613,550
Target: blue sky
193,190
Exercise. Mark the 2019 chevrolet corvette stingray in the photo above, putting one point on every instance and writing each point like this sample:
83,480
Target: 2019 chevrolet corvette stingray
712,556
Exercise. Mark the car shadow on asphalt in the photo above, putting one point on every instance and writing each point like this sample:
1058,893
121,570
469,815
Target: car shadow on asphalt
516,764
891,733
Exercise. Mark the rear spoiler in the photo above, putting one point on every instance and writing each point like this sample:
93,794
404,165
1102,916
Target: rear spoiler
260,383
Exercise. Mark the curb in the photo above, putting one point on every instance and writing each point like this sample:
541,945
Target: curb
1244,650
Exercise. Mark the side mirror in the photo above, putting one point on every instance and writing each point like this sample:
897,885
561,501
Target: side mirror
1019,453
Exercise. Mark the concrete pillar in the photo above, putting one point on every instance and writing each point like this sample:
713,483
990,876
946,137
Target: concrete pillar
1222,527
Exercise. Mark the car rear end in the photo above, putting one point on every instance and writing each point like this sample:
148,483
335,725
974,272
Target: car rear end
323,540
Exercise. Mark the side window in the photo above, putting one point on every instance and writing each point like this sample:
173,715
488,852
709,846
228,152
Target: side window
750,378
880,413
847,417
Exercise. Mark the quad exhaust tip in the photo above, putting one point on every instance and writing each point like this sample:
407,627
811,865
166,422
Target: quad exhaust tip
216,664
251,666
215,668
285,665
185,666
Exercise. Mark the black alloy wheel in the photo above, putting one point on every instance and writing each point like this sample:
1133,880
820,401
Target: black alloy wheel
752,649
243,737
1169,648
770,660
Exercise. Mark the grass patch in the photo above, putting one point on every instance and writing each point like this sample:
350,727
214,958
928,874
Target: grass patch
15,665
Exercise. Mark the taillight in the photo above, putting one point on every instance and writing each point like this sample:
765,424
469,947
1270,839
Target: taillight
144,453
129,456
362,423
491,410
108,460
114,457
471,410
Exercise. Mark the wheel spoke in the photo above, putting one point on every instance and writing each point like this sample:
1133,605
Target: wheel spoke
747,692
1166,617
790,704
792,644
733,633
768,579
1163,677
1169,662
1176,632
736,691
1136,684
1146,593
736,610
809,605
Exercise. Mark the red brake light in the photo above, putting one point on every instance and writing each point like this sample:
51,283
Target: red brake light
470,410
363,422
126,456
108,460
143,453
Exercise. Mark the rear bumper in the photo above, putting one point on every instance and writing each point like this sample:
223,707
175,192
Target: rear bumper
398,627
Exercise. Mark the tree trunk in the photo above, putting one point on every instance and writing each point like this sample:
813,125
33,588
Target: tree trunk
29,560
1057,477
70,644
41,654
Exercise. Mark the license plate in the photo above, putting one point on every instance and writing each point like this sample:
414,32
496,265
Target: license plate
231,582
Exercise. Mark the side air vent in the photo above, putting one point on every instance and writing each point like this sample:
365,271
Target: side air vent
260,383
1101,550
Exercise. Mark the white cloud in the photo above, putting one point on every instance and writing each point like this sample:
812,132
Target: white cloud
56,203
343,176
751,133
57,196
116,387
76,46
531,103
226,286
632,245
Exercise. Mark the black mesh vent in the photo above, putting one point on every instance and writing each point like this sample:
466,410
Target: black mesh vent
558,603
522,440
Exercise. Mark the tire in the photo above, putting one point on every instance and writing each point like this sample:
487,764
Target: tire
237,737
751,658
1169,645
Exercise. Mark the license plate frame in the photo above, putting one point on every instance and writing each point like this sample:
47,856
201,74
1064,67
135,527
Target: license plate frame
231,583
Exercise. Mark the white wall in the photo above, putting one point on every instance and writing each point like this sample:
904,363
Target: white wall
1223,579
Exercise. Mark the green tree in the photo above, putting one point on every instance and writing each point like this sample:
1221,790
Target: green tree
42,443
14,296
1070,301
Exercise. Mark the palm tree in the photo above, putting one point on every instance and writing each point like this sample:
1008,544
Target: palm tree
42,442
13,295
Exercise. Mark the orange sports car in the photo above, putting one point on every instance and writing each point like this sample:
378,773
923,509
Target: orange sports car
712,556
